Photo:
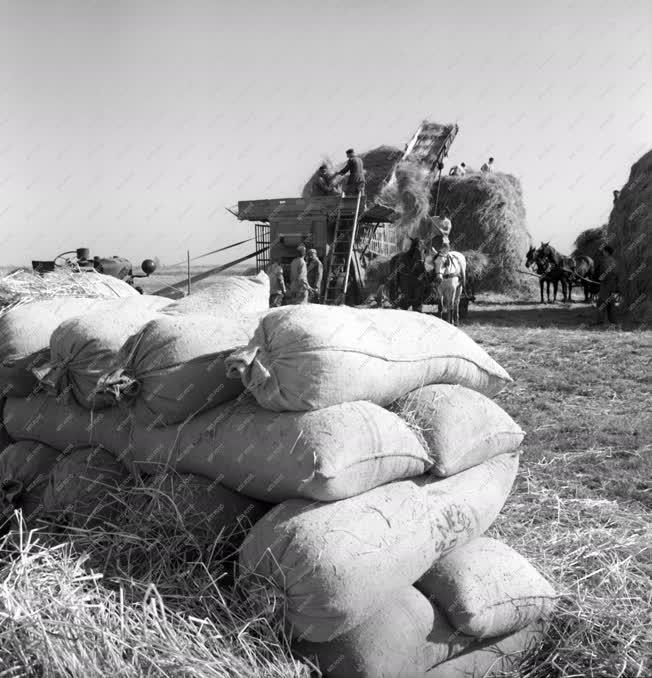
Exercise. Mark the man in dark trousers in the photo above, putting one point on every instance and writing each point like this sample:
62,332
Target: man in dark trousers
322,185
355,183
315,275
608,278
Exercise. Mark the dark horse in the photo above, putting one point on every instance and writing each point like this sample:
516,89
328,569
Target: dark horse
408,283
541,267
583,276
556,268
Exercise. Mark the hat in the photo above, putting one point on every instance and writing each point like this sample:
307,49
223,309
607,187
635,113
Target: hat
301,247
312,250
350,151
323,166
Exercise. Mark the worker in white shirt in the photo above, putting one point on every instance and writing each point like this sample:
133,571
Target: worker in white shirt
458,170
488,166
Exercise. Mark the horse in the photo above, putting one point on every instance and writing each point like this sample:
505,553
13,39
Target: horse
408,280
530,257
542,267
559,269
583,276
451,287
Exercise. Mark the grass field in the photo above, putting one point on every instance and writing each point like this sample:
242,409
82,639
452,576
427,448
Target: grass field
580,510
581,507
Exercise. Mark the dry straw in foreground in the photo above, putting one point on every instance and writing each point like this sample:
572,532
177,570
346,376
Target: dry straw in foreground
151,596
23,286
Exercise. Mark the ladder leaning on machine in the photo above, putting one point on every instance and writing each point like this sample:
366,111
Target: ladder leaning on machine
341,254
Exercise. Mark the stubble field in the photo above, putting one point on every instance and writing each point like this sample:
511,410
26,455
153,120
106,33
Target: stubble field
580,511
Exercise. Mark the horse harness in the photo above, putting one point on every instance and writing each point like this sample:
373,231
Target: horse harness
446,264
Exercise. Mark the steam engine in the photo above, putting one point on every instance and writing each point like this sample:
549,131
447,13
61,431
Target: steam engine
116,267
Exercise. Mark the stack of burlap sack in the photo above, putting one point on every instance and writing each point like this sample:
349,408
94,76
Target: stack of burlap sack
362,445
81,377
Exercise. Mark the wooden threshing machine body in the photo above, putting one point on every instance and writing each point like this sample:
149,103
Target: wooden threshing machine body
281,224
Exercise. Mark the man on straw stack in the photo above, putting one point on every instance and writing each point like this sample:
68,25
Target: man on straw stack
355,183
458,170
299,287
323,185
488,166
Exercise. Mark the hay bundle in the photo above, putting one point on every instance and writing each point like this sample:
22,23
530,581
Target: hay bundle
488,214
23,286
477,267
628,231
588,242
377,162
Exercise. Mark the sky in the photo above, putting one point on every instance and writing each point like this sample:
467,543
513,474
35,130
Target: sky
129,126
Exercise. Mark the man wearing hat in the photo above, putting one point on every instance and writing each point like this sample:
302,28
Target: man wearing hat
299,287
488,166
354,168
315,275
458,170
322,185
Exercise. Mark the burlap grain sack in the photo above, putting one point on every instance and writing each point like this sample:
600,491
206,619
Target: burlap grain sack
329,454
24,470
226,295
404,638
386,645
487,589
25,338
336,563
66,425
85,488
312,356
458,426
493,657
173,368
203,505
84,348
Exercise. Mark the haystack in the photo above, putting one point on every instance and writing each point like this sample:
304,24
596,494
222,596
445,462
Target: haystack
588,242
628,231
487,213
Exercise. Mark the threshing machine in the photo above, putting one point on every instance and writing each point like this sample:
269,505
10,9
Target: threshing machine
342,229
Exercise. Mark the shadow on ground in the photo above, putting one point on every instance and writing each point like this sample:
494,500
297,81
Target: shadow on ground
524,313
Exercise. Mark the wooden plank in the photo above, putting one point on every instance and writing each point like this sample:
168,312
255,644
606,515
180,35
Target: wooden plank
264,210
